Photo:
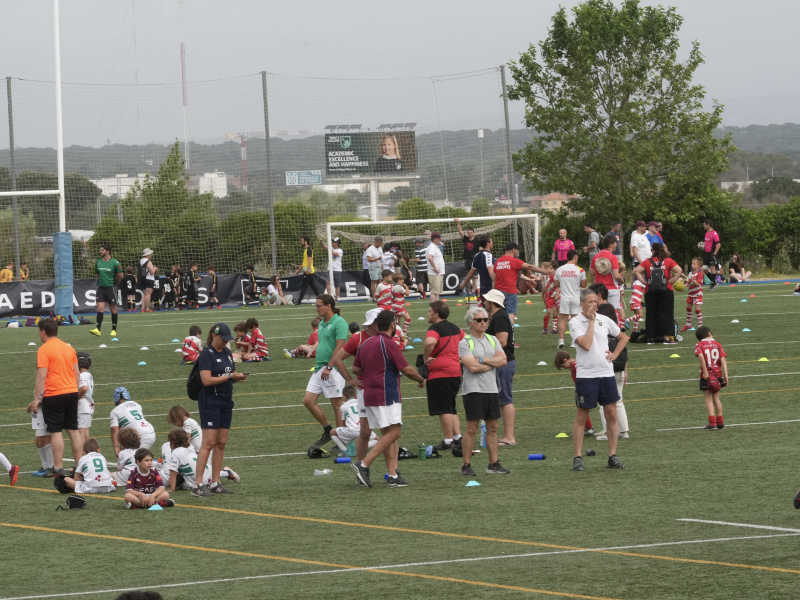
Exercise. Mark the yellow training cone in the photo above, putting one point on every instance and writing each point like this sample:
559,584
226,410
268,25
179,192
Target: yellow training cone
562,435
674,356
763,360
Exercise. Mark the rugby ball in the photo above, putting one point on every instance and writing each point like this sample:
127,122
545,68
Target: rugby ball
701,245
678,286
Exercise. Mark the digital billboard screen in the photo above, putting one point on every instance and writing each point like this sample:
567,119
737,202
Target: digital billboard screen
371,152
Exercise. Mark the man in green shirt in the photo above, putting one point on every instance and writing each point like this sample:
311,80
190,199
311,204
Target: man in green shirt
332,334
109,274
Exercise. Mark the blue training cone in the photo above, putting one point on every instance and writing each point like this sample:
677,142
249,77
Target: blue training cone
516,324
472,483
176,341
745,329
139,364
744,299
416,340
155,507
114,339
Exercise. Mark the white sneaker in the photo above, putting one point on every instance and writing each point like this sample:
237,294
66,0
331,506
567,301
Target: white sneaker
560,343
624,435
572,344
601,436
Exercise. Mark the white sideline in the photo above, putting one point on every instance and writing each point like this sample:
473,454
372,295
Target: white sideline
748,525
418,564
733,425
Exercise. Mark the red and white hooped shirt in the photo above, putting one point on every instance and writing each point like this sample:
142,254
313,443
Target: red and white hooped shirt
694,281
637,291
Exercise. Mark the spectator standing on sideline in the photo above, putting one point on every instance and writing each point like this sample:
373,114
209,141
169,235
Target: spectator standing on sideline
561,247
658,294
147,278
616,232
336,253
7,274
483,265
24,271
109,274
365,280
374,257
470,250
310,278
501,327
711,246
640,245
215,406
654,237
506,274
481,355
332,334
595,382
440,354
593,247
56,392
436,266
569,278
380,362
605,270
421,261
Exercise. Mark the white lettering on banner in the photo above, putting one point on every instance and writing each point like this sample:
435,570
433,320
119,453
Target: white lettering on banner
91,298
451,281
5,302
26,300
201,297
48,299
75,301
350,289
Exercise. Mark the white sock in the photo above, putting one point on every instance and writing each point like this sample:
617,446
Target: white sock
50,460
561,341
457,437
223,475
339,443
4,462
43,456
448,441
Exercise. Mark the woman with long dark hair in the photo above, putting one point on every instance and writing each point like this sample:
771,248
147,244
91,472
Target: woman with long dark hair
737,271
660,317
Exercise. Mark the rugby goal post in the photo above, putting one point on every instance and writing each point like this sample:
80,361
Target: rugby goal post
528,223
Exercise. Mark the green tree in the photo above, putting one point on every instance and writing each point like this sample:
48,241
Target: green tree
481,207
620,121
415,208
775,186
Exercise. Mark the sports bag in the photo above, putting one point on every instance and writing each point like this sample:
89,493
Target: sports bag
658,280
74,502
194,384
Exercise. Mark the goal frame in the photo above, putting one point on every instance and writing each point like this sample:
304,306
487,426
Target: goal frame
329,240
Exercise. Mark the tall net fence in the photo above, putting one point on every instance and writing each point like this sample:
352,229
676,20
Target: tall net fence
202,183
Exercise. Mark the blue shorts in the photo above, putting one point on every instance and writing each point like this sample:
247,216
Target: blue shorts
511,303
592,391
216,412
505,375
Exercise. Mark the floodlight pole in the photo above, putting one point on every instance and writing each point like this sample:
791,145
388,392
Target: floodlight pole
509,163
13,178
62,222
270,196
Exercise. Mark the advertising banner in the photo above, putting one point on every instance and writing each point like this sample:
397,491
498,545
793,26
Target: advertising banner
370,153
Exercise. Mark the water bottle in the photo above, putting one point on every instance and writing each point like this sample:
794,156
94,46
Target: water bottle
351,448
322,472
483,433
536,456
343,459
422,451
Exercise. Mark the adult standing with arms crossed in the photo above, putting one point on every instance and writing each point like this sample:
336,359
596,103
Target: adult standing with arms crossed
215,405
570,278
147,278
435,266
595,382
56,392
365,280
109,274
711,246
332,334
593,247
380,362
470,250
561,247
307,268
336,253
501,327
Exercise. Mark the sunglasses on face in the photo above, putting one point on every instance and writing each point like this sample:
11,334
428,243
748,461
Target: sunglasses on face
481,319
318,305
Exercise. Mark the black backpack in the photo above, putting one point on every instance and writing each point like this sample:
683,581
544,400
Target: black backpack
194,384
143,271
658,280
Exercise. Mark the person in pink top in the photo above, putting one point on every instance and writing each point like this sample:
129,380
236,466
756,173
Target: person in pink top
711,246
561,247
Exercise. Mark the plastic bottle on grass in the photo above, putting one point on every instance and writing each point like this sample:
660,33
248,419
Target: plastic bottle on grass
483,433
322,472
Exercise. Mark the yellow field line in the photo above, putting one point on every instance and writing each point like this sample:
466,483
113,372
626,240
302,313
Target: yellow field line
302,561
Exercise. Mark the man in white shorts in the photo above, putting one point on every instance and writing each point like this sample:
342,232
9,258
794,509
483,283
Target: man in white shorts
380,362
605,270
370,328
570,278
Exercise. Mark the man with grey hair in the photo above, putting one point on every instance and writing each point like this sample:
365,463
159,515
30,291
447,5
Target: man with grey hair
481,354
594,380
374,257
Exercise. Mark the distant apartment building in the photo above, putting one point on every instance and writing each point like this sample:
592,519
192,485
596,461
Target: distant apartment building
552,202
121,183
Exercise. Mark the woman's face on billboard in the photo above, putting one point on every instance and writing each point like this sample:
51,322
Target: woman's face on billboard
387,147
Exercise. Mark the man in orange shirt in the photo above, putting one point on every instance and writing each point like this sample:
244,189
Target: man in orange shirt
56,395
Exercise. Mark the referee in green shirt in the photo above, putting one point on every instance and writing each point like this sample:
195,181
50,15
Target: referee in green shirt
109,273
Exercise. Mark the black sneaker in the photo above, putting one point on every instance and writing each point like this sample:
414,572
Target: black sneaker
467,471
614,462
797,500
713,285
577,464
324,439
458,442
201,491
588,431
219,489
720,425
362,473
396,481
445,446
496,468
710,427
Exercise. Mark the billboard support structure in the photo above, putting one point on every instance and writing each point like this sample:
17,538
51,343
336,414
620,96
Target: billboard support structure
509,162
270,196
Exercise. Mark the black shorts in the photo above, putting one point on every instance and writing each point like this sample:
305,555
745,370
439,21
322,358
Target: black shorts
107,295
215,412
147,284
479,405
709,259
422,278
191,294
442,393
60,412
591,391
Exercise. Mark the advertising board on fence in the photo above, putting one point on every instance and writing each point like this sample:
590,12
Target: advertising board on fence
303,177
371,152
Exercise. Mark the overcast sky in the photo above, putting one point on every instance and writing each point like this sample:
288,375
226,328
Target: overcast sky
750,48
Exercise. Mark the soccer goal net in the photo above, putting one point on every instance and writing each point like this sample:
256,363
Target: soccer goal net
399,237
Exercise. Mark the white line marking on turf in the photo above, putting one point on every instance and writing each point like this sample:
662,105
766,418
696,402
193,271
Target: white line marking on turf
733,425
267,455
748,525
419,564
184,378
675,346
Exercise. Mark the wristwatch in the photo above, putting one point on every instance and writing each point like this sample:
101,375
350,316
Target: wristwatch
480,360
329,367
230,376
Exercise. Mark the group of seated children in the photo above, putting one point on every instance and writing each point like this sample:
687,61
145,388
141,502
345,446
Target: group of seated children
309,349
251,346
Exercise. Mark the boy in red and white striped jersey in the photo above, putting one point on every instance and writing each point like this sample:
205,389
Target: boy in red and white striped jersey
260,350
694,281
192,344
383,291
399,293
637,291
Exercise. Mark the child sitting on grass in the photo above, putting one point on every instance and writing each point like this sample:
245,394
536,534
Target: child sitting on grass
181,468
713,374
565,361
145,487
178,416
260,349
127,414
129,442
91,474
309,349
242,342
192,344
342,436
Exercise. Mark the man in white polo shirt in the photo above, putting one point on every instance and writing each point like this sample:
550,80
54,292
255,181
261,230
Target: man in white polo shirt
570,278
640,245
595,383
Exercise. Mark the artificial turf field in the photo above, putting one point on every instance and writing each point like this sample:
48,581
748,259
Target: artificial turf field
542,530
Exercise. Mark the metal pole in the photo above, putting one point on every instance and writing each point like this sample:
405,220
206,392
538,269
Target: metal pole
373,199
509,163
536,240
480,145
330,259
62,222
13,179
270,197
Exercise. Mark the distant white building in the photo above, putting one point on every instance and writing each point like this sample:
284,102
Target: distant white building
120,184
216,183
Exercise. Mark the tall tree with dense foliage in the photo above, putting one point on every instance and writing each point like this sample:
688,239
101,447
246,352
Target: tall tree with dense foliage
619,120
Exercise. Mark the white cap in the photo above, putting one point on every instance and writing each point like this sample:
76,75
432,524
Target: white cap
371,315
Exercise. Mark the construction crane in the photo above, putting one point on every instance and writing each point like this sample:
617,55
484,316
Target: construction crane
243,137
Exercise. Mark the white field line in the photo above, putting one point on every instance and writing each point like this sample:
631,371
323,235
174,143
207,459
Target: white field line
674,347
733,425
415,564
748,525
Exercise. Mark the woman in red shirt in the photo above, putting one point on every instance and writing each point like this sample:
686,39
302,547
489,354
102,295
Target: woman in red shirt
660,316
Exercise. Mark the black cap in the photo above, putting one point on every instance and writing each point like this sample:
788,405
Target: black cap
512,246
223,331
